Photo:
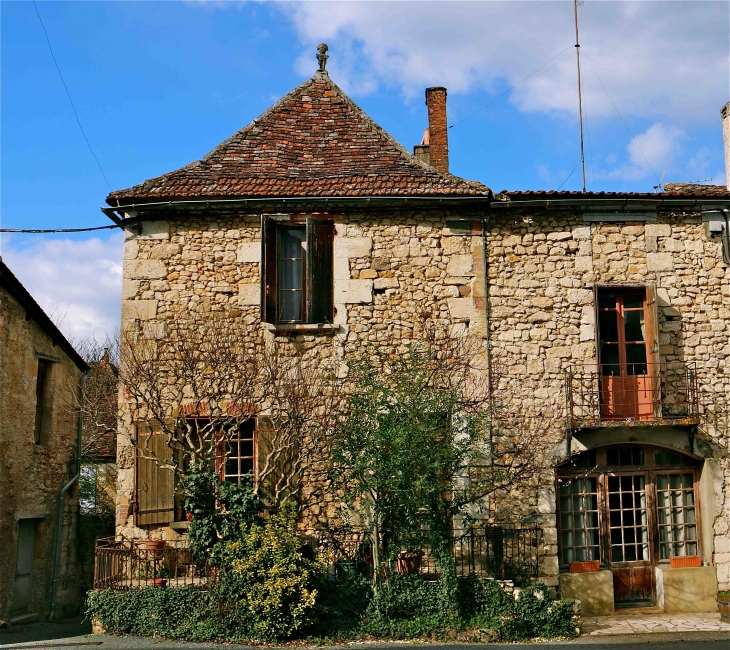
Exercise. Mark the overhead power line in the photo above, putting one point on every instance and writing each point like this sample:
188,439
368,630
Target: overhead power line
479,110
633,139
78,121
45,231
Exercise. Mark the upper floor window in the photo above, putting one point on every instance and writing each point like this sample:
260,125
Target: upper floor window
297,271
43,402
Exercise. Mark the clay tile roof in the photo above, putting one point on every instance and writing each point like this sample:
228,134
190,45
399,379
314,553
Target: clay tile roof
671,190
314,142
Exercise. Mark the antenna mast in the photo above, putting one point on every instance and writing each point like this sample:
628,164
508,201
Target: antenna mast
580,94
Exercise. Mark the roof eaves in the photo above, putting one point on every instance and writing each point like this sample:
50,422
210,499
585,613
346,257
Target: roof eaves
9,282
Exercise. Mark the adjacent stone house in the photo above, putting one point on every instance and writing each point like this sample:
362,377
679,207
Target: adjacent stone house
40,377
314,224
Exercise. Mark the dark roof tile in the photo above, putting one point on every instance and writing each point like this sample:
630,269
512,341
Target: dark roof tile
315,142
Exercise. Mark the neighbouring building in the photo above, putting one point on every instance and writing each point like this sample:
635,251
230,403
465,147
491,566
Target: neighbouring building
613,307
40,379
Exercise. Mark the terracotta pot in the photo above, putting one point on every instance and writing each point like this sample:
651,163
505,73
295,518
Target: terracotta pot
153,545
408,563
589,566
159,582
723,604
687,560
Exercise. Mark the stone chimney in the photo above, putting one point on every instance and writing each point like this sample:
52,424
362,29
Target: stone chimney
421,151
725,113
438,129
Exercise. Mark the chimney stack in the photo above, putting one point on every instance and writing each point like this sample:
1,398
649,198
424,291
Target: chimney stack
725,113
438,129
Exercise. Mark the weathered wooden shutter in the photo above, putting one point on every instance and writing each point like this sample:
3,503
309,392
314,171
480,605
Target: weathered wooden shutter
651,321
268,270
155,485
280,458
597,329
320,271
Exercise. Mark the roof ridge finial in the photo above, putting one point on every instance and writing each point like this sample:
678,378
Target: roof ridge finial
322,56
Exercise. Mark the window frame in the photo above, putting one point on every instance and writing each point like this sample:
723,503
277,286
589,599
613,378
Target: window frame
43,408
318,270
222,455
573,468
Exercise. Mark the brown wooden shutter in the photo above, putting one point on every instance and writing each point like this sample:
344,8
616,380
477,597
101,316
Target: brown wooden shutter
651,315
320,271
268,270
597,326
155,485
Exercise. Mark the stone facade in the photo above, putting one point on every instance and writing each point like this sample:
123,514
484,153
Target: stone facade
32,474
391,268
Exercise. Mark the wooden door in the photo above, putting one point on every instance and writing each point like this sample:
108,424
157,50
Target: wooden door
630,553
626,384
23,567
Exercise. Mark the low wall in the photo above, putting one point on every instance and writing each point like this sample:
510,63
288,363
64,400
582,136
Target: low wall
594,590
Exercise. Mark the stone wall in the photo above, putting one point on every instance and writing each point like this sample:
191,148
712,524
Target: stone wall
393,269
31,475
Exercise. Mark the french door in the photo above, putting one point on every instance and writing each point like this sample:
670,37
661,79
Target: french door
626,384
630,552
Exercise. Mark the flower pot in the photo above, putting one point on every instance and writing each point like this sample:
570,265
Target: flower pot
159,582
723,604
153,545
408,563
588,566
687,560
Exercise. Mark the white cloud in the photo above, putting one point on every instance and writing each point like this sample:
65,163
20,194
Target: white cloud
77,282
657,59
650,153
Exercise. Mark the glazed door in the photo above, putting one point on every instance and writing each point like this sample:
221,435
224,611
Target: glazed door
626,385
630,547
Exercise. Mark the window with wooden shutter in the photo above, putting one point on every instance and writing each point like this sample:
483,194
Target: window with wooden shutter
155,483
297,271
320,289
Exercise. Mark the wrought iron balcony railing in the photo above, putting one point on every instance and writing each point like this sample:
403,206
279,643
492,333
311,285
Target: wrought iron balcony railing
631,395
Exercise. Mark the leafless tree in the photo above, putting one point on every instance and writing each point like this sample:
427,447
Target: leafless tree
201,380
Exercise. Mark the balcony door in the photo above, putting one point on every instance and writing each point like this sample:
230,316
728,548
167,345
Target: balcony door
626,347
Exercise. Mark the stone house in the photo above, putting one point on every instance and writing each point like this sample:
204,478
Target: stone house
313,223
40,379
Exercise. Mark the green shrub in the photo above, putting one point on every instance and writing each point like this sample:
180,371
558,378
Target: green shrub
184,613
340,608
276,583
533,615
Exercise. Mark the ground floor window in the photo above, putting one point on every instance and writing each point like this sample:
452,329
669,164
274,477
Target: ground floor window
631,507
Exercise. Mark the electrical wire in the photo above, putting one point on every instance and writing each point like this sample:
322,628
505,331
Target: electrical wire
37,231
78,121
633,139
569,175
510,88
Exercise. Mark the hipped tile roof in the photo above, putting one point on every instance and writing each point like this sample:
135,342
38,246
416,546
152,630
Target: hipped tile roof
314,142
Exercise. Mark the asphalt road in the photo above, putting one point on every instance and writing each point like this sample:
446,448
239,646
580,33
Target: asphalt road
74,634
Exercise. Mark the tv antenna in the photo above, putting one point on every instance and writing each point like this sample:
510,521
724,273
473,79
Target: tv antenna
576,4
660,187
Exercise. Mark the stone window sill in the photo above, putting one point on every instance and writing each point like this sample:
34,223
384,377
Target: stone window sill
304,328
180,525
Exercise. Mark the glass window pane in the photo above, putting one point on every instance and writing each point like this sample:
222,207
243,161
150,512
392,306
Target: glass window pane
291,305
290,275
291,242
609,359
634,326
633,301
606,301
608,326
636,359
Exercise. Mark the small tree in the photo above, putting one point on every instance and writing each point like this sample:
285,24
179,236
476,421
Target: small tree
419,441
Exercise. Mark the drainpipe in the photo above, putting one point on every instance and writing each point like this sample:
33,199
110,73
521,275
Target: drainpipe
485,270
61,495
726,242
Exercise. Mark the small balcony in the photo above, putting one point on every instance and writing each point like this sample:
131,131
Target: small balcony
620,395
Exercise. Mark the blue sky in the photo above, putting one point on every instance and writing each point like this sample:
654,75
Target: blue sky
159,84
